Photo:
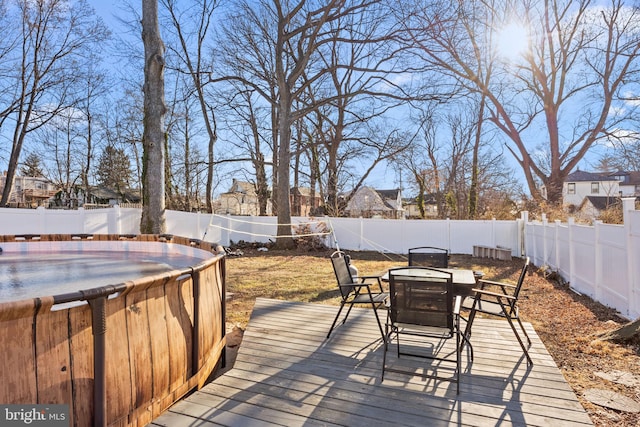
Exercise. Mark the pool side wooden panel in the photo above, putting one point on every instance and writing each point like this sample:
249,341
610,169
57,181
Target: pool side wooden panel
287,373
151,353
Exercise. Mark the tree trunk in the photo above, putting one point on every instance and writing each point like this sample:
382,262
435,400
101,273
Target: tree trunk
473,189
284,239
153,199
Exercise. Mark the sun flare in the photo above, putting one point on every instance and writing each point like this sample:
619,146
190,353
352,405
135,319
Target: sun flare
513,41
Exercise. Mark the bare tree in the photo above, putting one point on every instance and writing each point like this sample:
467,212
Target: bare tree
283,39
249,123
123,128
63,148
191,27
444,155
41,57
358,85
153,196
622,154
580,60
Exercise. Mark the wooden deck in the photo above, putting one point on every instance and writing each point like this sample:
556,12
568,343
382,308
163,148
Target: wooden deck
287,373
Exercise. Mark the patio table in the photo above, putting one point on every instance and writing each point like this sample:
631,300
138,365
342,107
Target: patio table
463,280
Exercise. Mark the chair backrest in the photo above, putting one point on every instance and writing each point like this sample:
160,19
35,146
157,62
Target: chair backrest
428,256
523,273
340,262
425,300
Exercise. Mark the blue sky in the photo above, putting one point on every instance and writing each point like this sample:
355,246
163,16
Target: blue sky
384,176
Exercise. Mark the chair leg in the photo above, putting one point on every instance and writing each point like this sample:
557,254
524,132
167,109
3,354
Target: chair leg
386,338
467,329
458,354
375,312
465,339
524,331
335,320
347,314
515,332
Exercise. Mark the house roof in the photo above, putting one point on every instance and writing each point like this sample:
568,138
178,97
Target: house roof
629,178
588,176
429,199
375,200
127,195
241,187
388,194
632,178
601,202
303,191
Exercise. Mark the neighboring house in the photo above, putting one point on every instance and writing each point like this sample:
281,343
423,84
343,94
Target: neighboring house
629,184
107,196
368,202
581,184
29,191
410,206
306,205
590,193
592,206
97,197
241,199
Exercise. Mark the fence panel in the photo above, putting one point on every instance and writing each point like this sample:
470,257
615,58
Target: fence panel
563,260
612,281
633,263
417,233
21,221
583,248
97,221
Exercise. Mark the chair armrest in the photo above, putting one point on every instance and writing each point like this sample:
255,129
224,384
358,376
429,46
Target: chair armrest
376,278
355,285
363,278
457,303
492,283
493,294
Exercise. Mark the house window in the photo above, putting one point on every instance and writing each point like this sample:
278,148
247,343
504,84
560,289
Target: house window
595,188
571,188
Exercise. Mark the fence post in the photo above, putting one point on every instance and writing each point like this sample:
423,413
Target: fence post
628,205
545,248
572,274
557,245
521,233
598,275
82,220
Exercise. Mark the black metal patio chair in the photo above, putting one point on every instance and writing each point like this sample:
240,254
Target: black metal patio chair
363,290
429,256
498,299
424,308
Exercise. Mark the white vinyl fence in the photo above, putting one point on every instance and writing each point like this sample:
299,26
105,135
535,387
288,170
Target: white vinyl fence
601,261
382,235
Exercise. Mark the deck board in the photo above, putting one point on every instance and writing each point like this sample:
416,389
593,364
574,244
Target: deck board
287,373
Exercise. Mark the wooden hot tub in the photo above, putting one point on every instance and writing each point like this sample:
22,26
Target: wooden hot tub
117,354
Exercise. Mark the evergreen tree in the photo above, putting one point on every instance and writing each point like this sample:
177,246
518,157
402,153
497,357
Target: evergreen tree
31,166
114,168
